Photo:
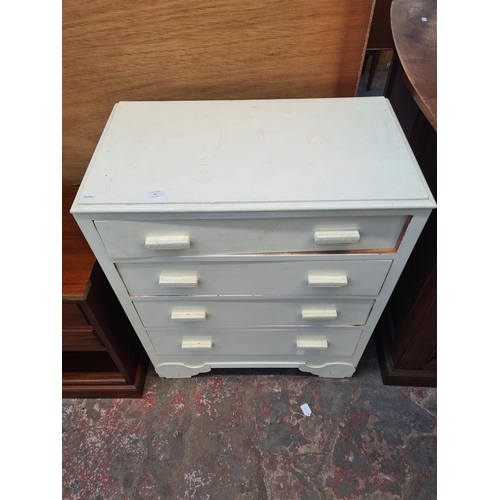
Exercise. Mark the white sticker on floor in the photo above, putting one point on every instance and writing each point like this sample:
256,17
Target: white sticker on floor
306,410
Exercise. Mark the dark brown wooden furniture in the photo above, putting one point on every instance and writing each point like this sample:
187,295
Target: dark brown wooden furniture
380,37
101,354
406,336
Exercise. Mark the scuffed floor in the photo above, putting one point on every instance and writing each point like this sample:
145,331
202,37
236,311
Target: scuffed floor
242,435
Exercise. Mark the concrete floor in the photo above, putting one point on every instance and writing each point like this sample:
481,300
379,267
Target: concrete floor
241,435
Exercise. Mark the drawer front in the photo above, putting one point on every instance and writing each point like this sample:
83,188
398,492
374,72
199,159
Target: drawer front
72,316
336,342
83,339
200,315
328,278
129,239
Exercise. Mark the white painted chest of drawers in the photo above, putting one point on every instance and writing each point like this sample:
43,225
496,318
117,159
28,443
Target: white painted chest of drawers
253,233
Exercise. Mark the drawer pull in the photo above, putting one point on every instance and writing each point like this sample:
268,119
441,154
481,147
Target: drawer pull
326,280
178,281
312,345
322,314
329,237
196,344
189,316
167,242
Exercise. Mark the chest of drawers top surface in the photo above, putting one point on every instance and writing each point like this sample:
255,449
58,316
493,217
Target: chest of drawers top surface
255,155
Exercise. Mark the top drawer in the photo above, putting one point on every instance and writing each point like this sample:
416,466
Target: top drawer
129,239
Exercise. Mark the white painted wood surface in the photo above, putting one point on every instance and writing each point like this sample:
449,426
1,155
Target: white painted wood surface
125,239
278,277
282,345
199,154
195,314
253,233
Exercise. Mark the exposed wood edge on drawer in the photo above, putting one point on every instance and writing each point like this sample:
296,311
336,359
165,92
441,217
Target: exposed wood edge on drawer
378,251
251,258
362,325
364,251
403,232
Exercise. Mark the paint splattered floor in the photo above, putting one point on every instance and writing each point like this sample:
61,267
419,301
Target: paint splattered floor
230,435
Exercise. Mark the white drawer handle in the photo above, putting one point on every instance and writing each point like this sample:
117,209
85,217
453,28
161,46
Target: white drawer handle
189,316
167,242
178,281
322,314
196,344
327,280
329,237
312,345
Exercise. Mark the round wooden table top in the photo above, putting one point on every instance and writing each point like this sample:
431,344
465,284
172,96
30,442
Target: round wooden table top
414,29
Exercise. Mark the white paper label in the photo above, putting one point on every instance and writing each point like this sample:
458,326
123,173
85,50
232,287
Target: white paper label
306,410
88,196
155,194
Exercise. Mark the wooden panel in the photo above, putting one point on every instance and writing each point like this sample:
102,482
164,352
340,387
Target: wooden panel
72,316
414,349
112,326
171,50
380,30
90,363
426,376
103,384
92,378
81,340
77,258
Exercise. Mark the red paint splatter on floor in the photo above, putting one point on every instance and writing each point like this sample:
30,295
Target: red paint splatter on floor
264,410
236,418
